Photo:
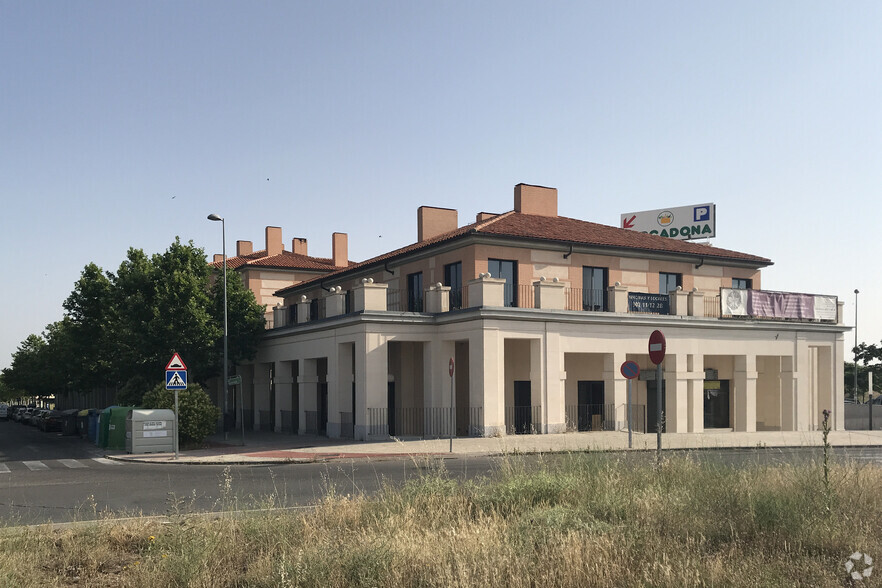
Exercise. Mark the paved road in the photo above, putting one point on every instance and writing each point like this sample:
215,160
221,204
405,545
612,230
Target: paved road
45,477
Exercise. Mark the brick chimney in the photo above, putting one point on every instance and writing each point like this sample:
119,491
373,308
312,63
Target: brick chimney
244,248
298,246
536,200
218,258
432,222
274,241
482,216
340,248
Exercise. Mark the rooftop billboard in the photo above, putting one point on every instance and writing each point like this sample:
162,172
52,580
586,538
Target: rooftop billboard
684,222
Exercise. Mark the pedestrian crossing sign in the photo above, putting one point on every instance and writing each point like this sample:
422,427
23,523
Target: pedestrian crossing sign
175,380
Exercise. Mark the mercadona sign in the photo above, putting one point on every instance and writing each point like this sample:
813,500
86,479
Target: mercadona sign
698,221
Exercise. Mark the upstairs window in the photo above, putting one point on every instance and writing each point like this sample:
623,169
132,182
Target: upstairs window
415,292
741,284
453,278
594,283
668,283
508,271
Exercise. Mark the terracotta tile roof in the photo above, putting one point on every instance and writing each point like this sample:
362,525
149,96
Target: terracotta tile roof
284,260
566,231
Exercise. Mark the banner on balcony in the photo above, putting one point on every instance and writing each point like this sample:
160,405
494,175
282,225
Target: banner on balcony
787,305
734,301
651,303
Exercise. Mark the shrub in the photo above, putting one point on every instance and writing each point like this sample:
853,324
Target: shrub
197,417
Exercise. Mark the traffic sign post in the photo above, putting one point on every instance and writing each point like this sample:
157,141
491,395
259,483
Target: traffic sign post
176,379
657,347
630,370
450,369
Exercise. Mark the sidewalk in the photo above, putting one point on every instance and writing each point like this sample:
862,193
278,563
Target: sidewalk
267,448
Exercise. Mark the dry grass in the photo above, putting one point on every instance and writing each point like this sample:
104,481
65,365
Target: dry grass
580,520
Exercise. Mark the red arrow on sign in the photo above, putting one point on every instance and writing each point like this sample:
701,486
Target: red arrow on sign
628,223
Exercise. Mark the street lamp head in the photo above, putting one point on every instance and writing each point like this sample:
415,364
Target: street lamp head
856,291
215,217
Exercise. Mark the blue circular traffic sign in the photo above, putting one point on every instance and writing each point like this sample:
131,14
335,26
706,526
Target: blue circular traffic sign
630,370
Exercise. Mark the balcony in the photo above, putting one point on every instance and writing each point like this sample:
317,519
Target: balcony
729,304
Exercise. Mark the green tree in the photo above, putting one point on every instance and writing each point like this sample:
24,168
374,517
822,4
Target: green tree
89,312
120,329
245,318
197,414
162,306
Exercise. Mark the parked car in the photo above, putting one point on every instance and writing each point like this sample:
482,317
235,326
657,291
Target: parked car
50,420
4,412
37,416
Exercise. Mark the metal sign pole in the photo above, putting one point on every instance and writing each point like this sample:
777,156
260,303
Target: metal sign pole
452,415
629,414
450,368
177,424
658,411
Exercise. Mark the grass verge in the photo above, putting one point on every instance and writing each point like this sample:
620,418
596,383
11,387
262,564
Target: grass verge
576,520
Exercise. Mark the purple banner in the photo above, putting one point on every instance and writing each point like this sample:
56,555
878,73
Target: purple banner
761,303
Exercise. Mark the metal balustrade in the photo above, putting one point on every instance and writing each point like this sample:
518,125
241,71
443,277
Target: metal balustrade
312,423
347,427
289,425
591,417
425,422
712,306
523,420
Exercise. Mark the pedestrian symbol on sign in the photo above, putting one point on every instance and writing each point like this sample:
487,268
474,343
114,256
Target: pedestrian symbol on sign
175,380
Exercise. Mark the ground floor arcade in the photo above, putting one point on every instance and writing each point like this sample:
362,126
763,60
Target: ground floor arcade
372,379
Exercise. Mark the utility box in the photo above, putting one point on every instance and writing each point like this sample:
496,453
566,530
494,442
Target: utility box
150,431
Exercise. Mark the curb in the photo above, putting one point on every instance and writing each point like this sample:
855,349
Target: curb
327,458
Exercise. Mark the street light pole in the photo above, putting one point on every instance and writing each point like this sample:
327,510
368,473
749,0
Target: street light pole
214,217
856,292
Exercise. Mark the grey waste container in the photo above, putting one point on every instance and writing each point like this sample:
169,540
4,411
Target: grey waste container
150,431
69,421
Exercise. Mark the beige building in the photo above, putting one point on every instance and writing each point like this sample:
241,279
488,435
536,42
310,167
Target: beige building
536,314
272,268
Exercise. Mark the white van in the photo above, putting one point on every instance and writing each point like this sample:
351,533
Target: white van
4,411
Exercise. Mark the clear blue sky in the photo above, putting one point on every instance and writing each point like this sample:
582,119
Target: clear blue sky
123,124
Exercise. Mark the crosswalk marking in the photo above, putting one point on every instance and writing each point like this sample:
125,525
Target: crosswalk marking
39,466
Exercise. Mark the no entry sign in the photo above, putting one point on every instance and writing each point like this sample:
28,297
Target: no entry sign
657,347
630,370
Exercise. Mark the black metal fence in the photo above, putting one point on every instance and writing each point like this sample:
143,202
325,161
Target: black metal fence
347,427
523,420
289,425
591,417
248,417
425,422
312,423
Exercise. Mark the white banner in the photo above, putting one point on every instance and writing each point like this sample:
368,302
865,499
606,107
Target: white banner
734,301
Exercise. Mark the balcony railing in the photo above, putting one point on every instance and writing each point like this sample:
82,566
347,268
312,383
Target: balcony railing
712,306
586,299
